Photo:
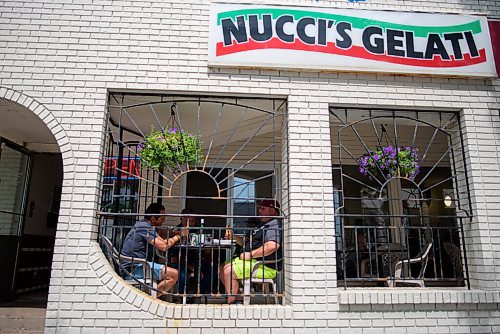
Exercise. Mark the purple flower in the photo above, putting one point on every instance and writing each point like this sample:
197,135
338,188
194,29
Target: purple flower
391,161
172,130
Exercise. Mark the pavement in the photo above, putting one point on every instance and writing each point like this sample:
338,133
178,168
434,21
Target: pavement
26,314
22,320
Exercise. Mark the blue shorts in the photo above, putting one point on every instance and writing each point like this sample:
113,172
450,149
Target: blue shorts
137,271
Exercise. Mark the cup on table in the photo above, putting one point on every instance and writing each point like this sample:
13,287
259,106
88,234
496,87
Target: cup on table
193,239
197,239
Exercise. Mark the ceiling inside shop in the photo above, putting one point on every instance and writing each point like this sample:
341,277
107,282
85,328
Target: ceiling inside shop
217,120
22,126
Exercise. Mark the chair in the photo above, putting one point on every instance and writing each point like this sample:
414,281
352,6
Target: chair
265,282
147,283
402,270
455,255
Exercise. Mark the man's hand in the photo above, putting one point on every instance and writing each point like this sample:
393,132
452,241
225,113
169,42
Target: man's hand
246,256
184,232
229,234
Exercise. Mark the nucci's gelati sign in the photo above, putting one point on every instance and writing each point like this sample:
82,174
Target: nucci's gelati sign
349,40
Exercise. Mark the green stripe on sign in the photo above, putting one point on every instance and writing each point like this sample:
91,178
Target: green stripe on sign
359,23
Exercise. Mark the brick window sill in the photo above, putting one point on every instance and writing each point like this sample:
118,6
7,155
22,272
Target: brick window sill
134,297
363,296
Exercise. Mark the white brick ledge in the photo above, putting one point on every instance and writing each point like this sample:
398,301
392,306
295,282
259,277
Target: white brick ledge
132,296
363,296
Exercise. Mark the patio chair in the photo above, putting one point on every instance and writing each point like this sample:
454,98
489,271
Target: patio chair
147,284
265,282
455,255
402,269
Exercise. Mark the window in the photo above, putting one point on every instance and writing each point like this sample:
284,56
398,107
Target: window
215,156
248,188
392,170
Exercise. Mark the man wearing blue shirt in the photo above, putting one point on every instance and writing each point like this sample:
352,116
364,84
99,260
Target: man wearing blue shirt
140,243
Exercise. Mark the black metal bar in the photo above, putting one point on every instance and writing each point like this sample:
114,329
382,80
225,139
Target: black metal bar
118,181
159,194
464,253
464,162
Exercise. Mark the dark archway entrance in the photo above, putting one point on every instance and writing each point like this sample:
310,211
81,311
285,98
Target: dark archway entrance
31,175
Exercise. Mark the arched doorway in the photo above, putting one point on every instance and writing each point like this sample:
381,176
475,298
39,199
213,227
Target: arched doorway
31,174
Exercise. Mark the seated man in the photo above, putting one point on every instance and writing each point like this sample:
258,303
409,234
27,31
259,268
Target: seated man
264,246
140,243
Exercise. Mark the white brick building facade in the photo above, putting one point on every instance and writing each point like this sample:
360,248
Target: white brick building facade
60,59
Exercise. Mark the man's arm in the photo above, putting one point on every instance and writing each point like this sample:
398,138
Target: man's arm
164,244
267,249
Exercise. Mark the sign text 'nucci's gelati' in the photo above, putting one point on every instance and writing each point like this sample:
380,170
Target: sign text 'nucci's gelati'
356,40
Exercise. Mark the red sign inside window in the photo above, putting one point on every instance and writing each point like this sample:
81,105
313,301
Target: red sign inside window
130,168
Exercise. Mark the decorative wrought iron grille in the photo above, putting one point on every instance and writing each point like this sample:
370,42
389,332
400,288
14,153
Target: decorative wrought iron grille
401,196
220,157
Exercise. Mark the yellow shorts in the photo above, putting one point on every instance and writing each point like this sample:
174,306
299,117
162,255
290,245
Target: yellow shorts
242,269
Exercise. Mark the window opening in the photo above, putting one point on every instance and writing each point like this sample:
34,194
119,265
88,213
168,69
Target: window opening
392,171
204,154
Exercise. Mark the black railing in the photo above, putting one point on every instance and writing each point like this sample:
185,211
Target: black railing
198,257
401,256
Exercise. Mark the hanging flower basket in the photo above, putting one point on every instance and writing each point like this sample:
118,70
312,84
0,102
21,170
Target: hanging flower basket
392,161
172,148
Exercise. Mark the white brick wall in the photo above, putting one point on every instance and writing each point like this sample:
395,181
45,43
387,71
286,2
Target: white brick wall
59,58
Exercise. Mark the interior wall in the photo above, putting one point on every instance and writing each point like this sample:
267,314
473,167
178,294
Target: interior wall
11,189
44,194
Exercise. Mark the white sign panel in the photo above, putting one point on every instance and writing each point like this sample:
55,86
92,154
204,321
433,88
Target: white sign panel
349,40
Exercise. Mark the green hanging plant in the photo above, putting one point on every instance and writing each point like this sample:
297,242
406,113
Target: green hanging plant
172,148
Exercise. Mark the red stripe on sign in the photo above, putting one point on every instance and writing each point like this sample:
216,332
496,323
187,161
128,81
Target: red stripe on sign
495,42
355,51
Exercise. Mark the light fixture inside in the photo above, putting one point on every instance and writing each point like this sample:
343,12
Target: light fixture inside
448,201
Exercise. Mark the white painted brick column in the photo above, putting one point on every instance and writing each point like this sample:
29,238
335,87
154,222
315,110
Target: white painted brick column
311,237
481,131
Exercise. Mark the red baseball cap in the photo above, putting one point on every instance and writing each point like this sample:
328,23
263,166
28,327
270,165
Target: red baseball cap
269,203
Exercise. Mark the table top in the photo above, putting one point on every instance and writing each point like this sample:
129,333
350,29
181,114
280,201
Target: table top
391,247
216,243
